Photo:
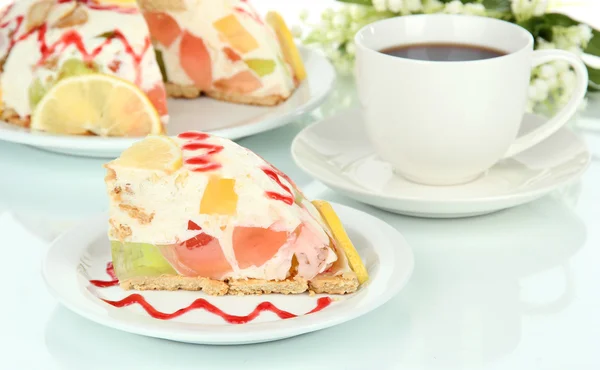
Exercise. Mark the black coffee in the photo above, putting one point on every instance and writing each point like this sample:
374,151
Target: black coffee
443,52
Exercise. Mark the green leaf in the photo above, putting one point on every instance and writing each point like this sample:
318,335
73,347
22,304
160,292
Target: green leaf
538,27
556,19
315,36
161,64
594,75
541,26
107,35
361,2
593,47
497,5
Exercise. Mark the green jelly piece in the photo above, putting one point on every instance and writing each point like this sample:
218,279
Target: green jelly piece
262,67
37,90
138,259
298,198
76,67
161,64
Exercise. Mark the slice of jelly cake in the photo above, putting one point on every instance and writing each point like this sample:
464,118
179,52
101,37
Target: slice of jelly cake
199,212
224,49
44,42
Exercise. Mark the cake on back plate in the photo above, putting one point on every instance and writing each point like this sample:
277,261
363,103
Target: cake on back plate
223,48
79,67
199,212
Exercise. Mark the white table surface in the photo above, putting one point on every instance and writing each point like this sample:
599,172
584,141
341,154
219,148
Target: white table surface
518,289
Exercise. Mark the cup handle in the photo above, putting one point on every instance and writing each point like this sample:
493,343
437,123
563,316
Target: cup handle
562,117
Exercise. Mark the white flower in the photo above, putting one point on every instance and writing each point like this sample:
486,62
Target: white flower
529,107
296,31
543,44
585,32
339,20
538,90
303,15
575,50
395,5
333,54
525,9
354,27
432,6
380,5
327,14
414,5
454,7
357,12
532,92
547,71
552,82
474,9
583,104
560,66
334,36
567,79
540,7
350,48
574,38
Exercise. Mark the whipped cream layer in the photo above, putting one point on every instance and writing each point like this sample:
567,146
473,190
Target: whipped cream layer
114,37
266,198
228,38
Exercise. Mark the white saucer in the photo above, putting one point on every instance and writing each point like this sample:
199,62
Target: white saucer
336,151
81,254
232,121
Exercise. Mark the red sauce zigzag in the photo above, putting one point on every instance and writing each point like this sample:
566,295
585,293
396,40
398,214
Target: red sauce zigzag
199,303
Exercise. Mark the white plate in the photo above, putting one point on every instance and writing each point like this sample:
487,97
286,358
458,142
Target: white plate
336,151
232,121
81,254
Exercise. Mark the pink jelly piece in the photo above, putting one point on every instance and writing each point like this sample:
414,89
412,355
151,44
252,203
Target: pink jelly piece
199,256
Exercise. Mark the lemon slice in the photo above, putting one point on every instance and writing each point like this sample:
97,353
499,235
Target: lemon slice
156,152
288,46
339,233
99,104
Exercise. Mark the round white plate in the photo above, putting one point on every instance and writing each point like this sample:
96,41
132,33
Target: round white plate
82,253
232,121
336,151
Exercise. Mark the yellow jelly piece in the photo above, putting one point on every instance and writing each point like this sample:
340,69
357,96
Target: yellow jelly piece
235,34
342,239
219,197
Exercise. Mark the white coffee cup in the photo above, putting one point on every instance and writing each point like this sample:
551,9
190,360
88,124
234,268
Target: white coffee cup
445,123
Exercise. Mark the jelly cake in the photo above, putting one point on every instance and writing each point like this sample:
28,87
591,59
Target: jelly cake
43,42
224,49
199,212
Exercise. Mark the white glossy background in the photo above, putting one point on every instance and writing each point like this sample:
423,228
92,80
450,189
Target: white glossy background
517,290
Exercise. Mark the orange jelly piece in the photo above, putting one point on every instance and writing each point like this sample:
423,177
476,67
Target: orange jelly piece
195,60
243,82
253,246
235,34
163,27
219,197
